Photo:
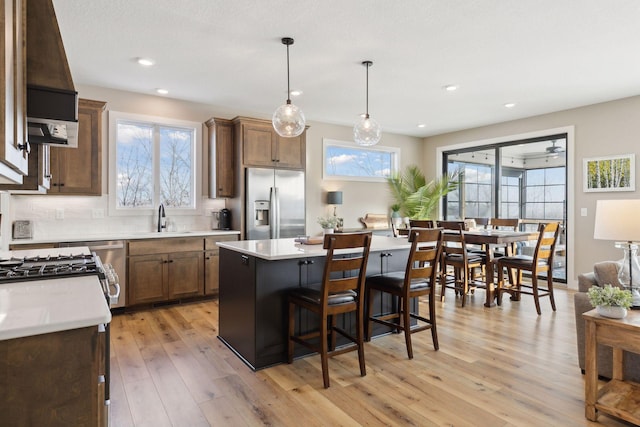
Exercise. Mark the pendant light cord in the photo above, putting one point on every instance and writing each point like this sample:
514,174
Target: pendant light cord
367,64
288,89
367,112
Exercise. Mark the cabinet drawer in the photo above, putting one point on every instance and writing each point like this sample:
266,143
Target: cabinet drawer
164,246
210,242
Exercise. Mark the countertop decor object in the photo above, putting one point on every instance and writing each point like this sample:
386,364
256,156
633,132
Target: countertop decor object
610,301
618,220
288,120
367,132
328,222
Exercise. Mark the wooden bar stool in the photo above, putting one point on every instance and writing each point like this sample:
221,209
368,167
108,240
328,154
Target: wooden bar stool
341,291
418,279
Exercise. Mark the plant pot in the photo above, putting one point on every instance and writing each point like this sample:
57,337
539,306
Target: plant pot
611,311
327,230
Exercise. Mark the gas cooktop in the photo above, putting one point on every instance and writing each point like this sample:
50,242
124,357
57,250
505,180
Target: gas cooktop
45,267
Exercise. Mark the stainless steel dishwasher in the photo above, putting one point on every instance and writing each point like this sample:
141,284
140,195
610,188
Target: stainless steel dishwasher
110,252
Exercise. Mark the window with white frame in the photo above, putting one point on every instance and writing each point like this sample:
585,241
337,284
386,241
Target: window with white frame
154,161
346,161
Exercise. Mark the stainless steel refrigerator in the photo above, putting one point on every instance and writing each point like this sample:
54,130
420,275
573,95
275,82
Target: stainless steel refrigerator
274,203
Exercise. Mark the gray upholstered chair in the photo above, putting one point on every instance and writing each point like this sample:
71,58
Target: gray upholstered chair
603,273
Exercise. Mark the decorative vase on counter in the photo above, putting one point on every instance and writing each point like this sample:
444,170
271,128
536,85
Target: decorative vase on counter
327,231
612,311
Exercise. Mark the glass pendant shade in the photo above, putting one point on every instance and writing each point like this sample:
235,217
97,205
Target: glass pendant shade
367,132
288,120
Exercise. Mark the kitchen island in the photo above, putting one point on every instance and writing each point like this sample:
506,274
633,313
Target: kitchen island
254,278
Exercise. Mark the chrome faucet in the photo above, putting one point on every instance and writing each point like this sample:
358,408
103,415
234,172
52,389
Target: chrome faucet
161,216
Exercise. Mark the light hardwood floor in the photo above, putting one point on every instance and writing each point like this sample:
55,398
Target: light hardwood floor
500,366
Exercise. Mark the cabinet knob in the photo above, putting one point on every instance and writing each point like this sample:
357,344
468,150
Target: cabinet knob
62,184
244,259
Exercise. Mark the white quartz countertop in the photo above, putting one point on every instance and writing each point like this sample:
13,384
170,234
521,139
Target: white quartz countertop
124,235
276,249
42,306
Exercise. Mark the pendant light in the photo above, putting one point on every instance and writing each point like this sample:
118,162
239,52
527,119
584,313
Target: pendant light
367,131
288,120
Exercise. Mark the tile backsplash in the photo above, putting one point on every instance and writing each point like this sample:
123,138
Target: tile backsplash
54,217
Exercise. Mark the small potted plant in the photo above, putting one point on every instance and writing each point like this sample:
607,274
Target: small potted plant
328,223
610,301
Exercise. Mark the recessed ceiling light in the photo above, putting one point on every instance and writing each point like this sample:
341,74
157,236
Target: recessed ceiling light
162,91
450,88
296,92
510,105
422,125
147,62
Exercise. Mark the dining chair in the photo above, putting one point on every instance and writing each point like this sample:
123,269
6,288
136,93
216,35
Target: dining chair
421,223
341,291
540,262
456,255
509,224
418,279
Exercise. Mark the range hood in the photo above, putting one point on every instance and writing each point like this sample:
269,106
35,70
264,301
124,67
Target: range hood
52,101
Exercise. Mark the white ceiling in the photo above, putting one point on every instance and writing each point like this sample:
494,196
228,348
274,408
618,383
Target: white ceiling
543,55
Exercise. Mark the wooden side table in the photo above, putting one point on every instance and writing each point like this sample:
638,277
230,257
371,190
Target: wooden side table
618,397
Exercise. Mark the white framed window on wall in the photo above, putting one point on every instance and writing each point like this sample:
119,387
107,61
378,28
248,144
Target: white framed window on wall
153,160
344,160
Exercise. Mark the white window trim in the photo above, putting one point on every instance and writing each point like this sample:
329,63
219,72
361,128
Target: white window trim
114,116
395,151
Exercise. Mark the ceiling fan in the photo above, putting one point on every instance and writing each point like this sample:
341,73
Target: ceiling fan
554,149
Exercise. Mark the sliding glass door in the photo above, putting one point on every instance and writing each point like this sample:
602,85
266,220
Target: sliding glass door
519,179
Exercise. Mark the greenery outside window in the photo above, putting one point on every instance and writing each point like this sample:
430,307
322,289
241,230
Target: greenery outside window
344,161
154,161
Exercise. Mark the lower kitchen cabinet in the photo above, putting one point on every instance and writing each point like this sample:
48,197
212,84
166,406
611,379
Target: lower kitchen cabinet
212,262
53,379
165,269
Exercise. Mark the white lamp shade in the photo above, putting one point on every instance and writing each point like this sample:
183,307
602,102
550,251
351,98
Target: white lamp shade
288,120
617,220
367,132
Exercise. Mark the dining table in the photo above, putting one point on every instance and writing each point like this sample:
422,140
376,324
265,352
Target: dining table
489,239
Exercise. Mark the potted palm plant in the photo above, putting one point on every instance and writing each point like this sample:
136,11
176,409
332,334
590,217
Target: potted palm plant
417,198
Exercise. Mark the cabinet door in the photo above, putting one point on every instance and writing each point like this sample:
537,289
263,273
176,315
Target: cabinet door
211,272
258,144
186,274
224,160
291,152
147,279
13,89
221,158
79,170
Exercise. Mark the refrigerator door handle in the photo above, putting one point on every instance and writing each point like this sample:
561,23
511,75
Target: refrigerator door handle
277,216
272,213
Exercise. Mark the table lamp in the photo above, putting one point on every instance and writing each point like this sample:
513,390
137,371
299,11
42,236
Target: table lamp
619,220
334,198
